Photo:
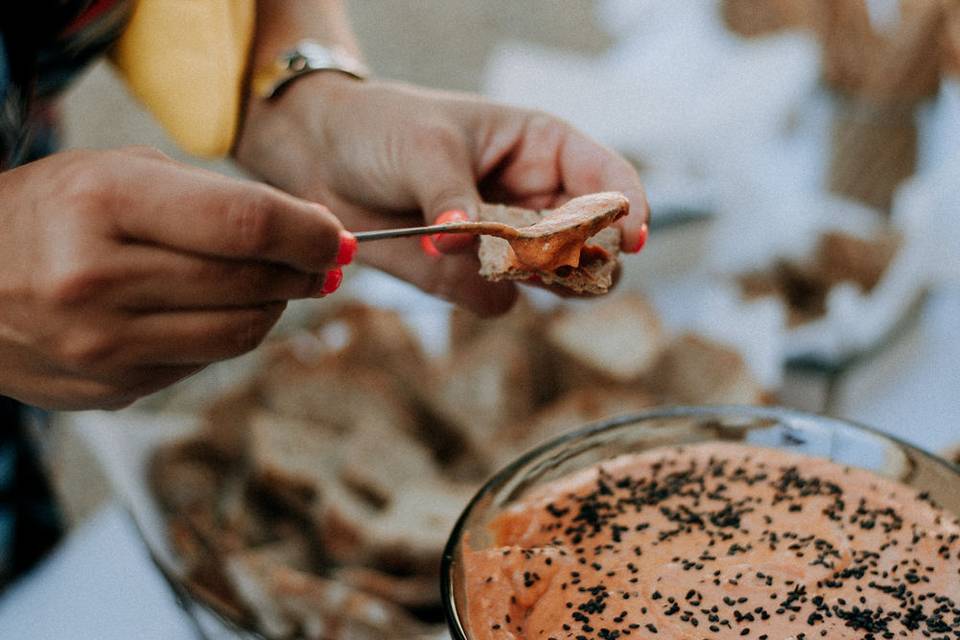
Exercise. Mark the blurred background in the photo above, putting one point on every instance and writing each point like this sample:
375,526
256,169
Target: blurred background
802,159
778,140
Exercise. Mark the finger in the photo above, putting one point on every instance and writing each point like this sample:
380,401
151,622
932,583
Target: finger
198,211
587,166
166,280
527,162
201,337
444,186
440,243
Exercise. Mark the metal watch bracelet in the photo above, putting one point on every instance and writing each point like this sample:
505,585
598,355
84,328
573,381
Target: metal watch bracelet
306,57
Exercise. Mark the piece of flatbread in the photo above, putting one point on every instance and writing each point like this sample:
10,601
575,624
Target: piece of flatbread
695,370
285,600
613,341
598,262
374,495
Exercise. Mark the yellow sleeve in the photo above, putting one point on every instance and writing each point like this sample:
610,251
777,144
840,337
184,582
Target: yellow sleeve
186,60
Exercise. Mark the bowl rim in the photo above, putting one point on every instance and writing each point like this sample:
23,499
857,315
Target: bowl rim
498,479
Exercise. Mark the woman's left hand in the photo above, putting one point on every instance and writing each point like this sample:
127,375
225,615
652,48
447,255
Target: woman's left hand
388,155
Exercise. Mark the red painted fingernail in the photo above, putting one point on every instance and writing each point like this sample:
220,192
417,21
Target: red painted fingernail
453,215
332,281
348,248
641,240
534,278
429,248
451,241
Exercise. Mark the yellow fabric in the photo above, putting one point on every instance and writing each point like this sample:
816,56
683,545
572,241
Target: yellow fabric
186,59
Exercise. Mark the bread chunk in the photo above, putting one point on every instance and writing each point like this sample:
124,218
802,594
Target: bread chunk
613,341
695,370
372,494
598,262
487,384
286,600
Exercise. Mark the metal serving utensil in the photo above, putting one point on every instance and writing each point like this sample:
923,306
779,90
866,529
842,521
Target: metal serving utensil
554,241
500,230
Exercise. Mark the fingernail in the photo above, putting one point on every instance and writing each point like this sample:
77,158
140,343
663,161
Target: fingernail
348,248
641,240
428,247
332,281
453,215
534,279
451,241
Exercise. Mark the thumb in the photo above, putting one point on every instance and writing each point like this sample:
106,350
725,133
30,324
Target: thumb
446,190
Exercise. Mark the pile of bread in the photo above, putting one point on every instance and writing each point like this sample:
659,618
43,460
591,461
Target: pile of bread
315,500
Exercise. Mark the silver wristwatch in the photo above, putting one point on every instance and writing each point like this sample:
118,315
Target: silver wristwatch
307,56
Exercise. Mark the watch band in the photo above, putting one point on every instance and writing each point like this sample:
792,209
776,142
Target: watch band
307,56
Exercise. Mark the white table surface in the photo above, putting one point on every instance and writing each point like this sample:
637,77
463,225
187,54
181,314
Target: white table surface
100,583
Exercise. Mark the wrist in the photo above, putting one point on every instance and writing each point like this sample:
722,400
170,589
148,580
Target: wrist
280,138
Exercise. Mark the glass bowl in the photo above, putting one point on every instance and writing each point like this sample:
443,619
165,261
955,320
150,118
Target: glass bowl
797,432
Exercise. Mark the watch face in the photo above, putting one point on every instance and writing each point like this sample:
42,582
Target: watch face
297,62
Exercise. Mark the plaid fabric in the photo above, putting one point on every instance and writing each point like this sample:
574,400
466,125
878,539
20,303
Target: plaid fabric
43,45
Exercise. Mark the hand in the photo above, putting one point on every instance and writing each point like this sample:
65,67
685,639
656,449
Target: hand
122,272
387,155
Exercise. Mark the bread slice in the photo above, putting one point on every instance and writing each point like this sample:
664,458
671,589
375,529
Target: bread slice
523,326
522,320
286,601
201,546
367,337
611,341
372,461
361,366
248,573
374,495
486,385
187,475
334,611
695,370
405,535
334,393
593,275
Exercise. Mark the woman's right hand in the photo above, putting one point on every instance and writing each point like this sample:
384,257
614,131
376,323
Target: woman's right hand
122,272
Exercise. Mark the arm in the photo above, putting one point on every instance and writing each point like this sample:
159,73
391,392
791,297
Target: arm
385,155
